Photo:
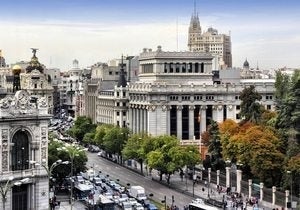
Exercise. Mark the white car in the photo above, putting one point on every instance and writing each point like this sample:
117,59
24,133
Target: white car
138,206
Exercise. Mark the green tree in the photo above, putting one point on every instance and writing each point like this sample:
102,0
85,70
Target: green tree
250,108
168,156
82,125
56,153
134,149
214,147
281,87
114,141
100,132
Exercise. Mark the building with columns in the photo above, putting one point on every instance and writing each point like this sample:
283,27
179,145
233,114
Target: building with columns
176,95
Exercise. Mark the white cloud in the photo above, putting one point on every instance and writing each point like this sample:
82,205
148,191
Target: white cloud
61,41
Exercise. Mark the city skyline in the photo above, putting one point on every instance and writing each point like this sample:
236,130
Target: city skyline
265,32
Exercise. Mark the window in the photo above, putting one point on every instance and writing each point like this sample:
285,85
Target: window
20,151
118,113
124,104
238,107
238,116
118,94
124,94
110,73
124,113
269,107
118,104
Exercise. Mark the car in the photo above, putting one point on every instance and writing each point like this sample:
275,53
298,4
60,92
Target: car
108,195
97,181
123,197
126,206
111,183
151,206
138,206
79,179
133,201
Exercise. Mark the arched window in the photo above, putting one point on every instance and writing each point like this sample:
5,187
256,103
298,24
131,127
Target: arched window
20,151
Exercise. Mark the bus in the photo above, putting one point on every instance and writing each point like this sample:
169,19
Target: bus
82,191
200,205
104,203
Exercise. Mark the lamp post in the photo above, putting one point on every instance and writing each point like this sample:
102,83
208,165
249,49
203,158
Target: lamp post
291,184
165,202
4,189
72,151
50,169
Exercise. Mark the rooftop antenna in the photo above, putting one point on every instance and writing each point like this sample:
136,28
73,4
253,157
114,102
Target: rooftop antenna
177,33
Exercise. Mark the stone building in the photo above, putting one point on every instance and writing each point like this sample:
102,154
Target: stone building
176,95
219,45
112,104
24,143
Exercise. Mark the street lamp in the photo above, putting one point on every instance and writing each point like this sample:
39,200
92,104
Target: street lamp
291,184
4,189
72,151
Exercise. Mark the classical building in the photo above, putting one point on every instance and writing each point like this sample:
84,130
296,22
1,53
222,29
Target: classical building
219,45
112,104
24,143
176,95
104,81
71,91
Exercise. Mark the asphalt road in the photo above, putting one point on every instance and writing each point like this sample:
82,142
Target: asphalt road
125,176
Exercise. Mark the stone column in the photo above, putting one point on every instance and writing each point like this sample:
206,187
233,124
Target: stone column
273,195
145,120
218,177
133,120
261,187
250,187
179,122
287,194
191,122
209,175
238,180
121,118
142,119
130,117
203,119
227,176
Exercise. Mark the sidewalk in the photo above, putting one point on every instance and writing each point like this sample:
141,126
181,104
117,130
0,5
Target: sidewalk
198,190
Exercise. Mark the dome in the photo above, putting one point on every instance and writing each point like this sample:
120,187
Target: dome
16,69
246,64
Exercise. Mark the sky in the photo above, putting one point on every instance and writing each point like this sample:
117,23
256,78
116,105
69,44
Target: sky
266,32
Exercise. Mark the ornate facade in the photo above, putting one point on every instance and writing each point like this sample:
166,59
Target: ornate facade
24,142
219,45
176,95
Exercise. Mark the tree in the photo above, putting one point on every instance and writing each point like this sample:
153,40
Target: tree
214,147
100,132
55,153
250,109
81,126
115,140
160,158
282,87
134,149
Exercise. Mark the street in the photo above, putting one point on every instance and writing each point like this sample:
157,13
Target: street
125,176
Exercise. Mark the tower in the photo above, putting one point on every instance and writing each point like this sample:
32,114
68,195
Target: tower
16,78
194,29
210,41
